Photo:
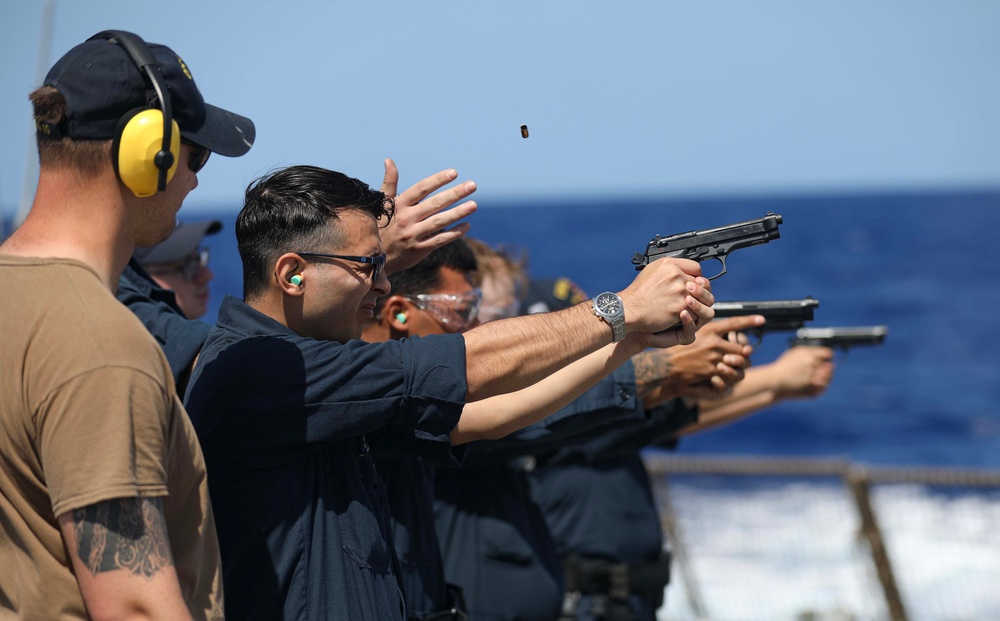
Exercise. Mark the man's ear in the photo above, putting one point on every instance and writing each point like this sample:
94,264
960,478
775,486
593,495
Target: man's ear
288,274
396,313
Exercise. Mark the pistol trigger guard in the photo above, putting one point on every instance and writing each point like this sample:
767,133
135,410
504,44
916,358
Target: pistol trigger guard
721,259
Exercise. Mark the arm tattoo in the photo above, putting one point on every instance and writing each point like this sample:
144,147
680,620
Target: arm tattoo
124,533
652,368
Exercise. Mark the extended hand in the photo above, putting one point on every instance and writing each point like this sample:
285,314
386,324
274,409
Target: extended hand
665,293
804,372
421,226
717,359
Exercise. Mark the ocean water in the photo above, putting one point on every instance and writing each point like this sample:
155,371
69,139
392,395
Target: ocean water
926,265
780,552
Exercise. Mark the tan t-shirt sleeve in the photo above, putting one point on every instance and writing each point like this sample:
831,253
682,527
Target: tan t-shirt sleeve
103,435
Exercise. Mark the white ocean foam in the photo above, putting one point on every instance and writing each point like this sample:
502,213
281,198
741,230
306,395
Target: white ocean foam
792,552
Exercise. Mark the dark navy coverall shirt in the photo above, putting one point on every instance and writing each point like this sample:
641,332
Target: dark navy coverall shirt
410,485
284,422
597,499
181,338
494,540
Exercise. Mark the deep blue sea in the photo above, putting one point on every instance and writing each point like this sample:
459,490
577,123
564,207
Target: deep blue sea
926,265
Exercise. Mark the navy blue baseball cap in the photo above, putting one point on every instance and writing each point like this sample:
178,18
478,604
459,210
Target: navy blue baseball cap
101,83
184,241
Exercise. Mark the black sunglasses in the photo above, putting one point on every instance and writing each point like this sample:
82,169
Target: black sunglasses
377,262
199,157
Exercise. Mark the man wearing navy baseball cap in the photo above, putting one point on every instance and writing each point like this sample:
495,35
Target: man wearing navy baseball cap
180,264
105,509
101,83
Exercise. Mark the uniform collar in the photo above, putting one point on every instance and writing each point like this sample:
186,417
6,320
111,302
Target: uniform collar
237,316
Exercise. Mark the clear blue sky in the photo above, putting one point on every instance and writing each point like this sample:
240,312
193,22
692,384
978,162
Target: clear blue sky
667,97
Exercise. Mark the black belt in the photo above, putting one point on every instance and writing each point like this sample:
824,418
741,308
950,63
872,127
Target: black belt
591,576
608,586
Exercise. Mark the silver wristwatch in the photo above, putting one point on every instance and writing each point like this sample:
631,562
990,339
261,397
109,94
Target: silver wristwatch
608,307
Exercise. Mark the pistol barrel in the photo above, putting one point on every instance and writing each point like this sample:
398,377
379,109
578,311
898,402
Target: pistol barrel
841,337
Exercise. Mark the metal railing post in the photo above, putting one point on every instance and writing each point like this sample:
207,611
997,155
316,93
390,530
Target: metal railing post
858,482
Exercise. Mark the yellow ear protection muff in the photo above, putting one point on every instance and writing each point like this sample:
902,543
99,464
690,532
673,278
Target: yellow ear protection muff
147,143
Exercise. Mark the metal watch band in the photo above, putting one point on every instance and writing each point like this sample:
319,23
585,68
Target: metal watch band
615,319
618,330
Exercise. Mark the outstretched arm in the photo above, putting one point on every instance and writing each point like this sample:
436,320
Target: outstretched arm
495,417
510,354
421,222
799,373
121,558
709,367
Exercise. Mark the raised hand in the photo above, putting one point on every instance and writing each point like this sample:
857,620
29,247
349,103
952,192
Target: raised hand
421,222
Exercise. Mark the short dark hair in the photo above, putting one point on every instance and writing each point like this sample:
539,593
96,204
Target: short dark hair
426,275
87,156
288,209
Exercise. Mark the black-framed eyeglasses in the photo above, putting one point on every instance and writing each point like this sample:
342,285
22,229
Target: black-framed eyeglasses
199,157
188,269
376,261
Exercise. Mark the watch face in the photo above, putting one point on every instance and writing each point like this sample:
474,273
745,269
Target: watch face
609,304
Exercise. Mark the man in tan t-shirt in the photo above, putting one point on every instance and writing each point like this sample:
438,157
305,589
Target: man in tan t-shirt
104,509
